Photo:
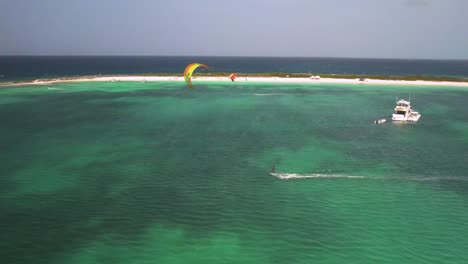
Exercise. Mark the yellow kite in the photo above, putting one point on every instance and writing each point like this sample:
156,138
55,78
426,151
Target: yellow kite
189,71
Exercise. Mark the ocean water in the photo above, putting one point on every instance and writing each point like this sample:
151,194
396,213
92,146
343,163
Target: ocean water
157,173
17,67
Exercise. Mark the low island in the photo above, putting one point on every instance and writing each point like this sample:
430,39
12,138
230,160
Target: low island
280,77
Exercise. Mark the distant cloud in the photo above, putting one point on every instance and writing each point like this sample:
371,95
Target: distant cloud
418,3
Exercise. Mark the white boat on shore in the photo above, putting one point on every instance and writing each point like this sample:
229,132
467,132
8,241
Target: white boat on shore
404,112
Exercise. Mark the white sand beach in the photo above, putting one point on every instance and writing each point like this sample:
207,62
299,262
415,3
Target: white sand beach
136,78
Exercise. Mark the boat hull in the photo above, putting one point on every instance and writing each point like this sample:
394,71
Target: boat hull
411,118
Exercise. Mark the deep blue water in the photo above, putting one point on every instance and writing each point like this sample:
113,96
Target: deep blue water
25,67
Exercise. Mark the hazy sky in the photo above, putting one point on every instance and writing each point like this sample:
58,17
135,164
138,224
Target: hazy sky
433,29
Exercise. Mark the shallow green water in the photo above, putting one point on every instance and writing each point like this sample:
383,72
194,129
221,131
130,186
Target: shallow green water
157,173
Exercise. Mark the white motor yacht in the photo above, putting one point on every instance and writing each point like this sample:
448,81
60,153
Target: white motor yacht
404,113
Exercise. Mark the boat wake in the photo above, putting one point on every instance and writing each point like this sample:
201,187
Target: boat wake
287,176
269,94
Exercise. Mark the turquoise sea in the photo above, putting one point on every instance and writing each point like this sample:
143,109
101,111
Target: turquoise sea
130,172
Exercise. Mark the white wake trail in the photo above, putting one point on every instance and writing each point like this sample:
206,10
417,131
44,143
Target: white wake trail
287,176
269,94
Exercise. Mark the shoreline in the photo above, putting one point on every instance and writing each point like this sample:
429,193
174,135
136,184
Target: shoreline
302,80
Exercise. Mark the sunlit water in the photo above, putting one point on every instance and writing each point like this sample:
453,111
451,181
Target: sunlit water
158,173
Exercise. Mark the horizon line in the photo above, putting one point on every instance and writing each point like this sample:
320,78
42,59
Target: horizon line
239,56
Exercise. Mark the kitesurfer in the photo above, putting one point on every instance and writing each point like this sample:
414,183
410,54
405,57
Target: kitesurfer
233,76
